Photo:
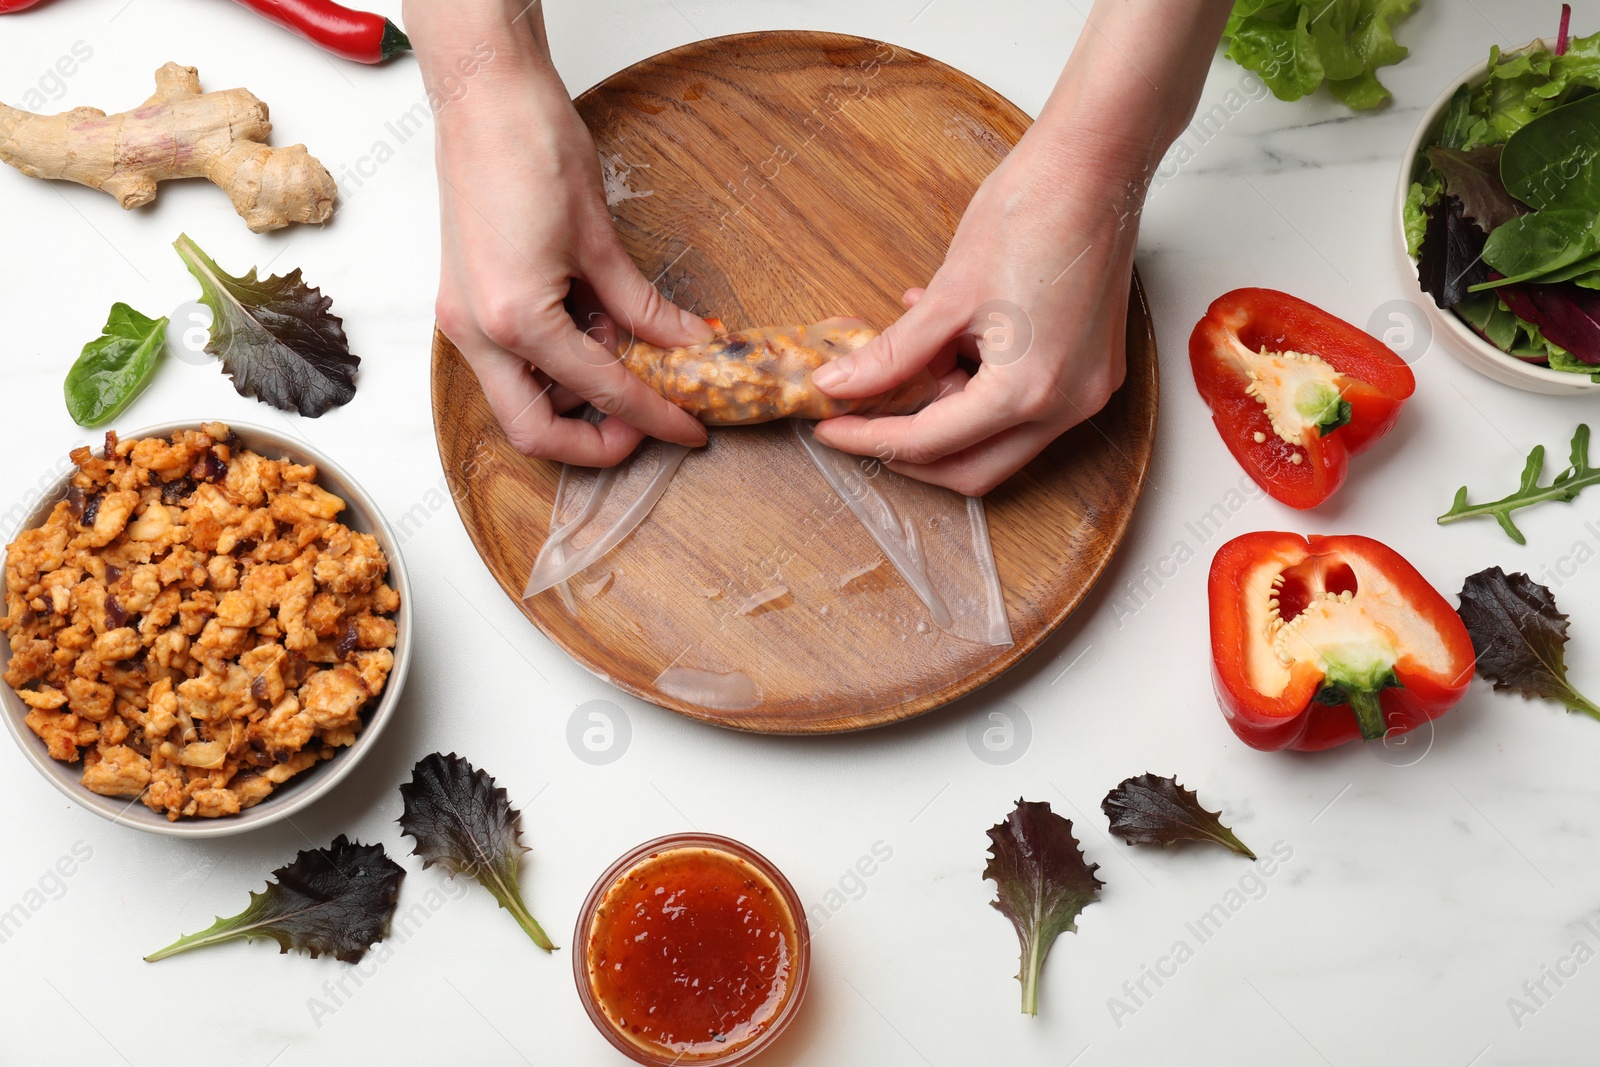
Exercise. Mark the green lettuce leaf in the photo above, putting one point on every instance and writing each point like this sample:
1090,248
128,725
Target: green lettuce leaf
1423,195
1527,83
114,367
1296,45
1562,360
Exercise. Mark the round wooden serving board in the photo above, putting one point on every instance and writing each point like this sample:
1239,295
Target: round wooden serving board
770,179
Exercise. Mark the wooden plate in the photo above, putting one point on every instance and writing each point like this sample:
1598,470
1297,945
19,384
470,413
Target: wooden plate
773,178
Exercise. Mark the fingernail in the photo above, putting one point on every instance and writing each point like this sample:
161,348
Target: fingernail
836,373
699,329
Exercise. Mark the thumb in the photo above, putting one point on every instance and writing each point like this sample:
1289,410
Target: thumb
637,306
896,355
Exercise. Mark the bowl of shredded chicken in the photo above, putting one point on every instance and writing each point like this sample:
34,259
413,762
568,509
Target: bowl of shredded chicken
207,626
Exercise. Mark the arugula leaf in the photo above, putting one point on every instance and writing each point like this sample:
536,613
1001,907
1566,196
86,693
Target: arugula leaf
1148,810
462,821
274,336
113,368
338,899
1520,637
1297,44
1043,883
1475,177
1565,487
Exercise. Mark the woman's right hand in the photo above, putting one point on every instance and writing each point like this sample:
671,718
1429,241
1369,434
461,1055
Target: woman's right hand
525,232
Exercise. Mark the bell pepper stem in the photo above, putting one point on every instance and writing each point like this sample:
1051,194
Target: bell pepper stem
1369,714
1357,681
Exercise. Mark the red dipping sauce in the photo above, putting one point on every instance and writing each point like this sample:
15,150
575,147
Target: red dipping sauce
694,950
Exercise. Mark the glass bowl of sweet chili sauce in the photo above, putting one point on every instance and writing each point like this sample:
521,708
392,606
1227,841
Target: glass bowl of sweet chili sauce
692,949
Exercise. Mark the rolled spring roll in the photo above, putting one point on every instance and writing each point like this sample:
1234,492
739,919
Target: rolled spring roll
763,375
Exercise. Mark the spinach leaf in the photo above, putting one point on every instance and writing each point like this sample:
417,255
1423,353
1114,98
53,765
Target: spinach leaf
114,367
274,336
1532,247
1553,163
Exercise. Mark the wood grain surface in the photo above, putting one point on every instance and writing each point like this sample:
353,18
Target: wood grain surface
776,178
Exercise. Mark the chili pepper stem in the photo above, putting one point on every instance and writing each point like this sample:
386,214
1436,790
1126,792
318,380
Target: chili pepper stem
394,41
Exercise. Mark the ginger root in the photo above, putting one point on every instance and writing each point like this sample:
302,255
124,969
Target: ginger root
178,133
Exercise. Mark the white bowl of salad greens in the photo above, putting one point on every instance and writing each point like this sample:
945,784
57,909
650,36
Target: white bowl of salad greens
1499,216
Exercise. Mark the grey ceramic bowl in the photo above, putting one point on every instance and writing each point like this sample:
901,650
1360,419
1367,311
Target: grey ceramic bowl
361,514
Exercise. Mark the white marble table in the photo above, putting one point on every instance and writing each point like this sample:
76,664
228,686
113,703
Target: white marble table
1418,890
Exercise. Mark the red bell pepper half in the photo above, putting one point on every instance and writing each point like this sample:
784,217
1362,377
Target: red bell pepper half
1317,641
1294,391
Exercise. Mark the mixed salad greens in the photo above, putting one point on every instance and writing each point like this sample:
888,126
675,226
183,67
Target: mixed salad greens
1504,221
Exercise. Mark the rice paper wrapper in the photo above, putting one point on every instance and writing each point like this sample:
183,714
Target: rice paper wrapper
596,509
936,538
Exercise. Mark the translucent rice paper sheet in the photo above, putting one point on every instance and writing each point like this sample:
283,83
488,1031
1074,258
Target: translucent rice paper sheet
937,539
596,509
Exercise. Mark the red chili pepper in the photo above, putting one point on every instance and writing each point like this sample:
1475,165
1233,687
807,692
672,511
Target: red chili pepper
1294,391
358,35
8,6
1302,627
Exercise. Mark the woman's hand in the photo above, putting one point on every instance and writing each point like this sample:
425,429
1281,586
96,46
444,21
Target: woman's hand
1035,285
1035,288
528,246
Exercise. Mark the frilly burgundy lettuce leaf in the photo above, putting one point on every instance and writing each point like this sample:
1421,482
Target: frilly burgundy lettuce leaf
274,336
1043,883
1451,259
1149,810
1520,637
465,823
338,899
1566,314
1474,176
